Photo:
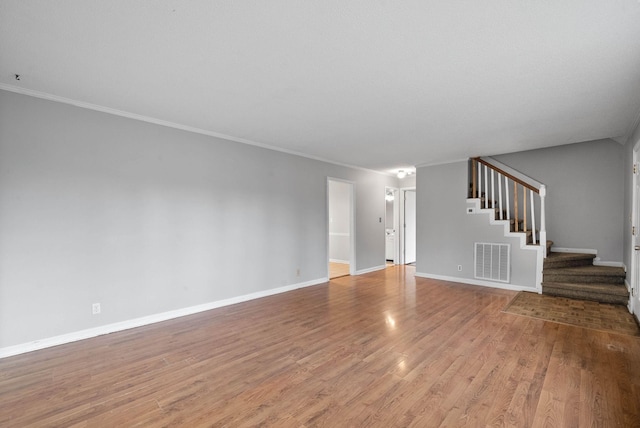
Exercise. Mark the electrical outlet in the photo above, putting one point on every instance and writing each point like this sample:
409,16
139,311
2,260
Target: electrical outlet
95,308
459,268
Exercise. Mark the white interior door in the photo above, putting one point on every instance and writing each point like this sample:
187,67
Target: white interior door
410,226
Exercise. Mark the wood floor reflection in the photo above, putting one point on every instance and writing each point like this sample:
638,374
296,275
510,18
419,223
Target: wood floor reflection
378,350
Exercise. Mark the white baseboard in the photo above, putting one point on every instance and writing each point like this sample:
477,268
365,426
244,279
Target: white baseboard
598,262
477,282
573,250
369,270
150,319
344,262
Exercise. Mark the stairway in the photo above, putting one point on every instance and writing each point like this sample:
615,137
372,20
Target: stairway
512,223
573,275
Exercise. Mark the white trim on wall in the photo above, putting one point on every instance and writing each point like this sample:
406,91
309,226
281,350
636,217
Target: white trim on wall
401,233
151,319
482,283
149,119
596,260
369,270
573,250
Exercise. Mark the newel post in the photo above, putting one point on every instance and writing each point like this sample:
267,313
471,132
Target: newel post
543,224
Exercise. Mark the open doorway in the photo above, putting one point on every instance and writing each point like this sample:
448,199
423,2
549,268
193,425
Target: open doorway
408,229
341,246
392,226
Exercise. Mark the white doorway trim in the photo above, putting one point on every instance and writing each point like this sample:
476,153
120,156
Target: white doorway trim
352,223
401,216
396,223
634,298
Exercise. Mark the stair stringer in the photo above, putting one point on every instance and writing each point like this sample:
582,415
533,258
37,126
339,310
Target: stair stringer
474,207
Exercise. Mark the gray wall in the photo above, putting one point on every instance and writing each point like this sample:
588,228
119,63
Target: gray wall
446,233
339,221
585,193
146,219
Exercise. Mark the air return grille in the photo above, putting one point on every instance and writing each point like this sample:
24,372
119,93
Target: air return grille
492,261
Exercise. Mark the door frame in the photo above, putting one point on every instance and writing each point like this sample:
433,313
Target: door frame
352,223
634,299
396,224
403,190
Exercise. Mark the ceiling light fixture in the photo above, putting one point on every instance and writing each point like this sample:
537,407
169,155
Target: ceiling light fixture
402,173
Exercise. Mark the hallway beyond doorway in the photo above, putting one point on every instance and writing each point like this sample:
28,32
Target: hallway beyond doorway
336,270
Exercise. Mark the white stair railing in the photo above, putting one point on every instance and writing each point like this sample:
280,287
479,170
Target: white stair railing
486,172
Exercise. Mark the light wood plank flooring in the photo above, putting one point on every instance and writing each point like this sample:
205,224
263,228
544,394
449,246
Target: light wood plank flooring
337,270
377,350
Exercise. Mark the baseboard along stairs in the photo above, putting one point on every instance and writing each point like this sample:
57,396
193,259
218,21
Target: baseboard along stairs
565,274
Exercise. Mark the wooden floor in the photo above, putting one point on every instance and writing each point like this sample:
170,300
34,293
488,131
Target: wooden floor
376,350
581,313
336,270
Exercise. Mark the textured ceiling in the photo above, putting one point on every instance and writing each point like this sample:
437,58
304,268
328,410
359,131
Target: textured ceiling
376,84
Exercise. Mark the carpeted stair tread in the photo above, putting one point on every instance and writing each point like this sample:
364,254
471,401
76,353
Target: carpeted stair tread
588,270
602,297
561,260
619,290
605,293
553,255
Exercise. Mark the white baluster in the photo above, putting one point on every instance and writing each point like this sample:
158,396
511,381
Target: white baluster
506,194
479,190
486,185
493,191
533,221
500,194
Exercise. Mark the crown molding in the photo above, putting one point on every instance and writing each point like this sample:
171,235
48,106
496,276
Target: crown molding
168,124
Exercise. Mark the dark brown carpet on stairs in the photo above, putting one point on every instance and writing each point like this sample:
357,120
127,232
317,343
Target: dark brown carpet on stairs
581,313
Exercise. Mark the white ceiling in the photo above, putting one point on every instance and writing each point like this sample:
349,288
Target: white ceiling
376,84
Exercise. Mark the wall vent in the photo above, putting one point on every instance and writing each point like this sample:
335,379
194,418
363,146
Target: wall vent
492,261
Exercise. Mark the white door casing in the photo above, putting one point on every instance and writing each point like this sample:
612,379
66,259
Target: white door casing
634,300
409,226
351,222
